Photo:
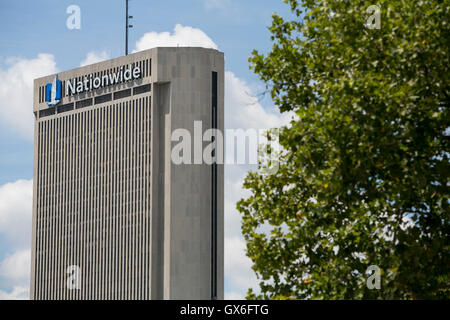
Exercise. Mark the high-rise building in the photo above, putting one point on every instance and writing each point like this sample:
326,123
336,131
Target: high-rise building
113,216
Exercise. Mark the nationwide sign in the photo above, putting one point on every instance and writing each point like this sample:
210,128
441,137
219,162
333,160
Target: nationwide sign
90,83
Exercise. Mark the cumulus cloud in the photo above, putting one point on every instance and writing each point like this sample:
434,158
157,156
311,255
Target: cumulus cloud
17,293
16,267
94,57
15,212
243,110
182,36
16,90
15,229
238,271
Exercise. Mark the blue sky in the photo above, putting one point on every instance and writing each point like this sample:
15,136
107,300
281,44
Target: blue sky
31,28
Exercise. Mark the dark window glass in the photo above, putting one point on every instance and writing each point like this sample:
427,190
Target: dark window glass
65,107
46,112
122,94
103,98
142,89
84,103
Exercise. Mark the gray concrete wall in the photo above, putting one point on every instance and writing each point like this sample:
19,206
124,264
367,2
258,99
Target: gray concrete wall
187,215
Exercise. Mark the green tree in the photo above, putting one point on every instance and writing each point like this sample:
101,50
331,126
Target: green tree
364,173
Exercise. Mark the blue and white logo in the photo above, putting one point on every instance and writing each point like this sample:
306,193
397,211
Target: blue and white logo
53,92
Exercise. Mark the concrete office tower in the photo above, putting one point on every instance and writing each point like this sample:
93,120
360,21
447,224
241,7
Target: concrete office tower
113,216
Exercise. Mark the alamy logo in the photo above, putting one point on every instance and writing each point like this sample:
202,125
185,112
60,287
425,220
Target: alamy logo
53,92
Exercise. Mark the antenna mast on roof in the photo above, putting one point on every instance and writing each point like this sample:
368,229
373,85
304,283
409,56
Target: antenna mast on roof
127,26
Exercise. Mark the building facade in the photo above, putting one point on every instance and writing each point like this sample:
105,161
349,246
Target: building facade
113,216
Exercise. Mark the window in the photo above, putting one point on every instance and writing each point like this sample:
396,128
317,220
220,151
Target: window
122,94
65,107
84,103
46,112
142,89
103,98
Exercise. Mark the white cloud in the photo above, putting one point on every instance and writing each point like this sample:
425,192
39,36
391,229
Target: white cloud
94,57
18,293
243,110
15,228
231,295
16,91
238,271
15,212
16,267
182,36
